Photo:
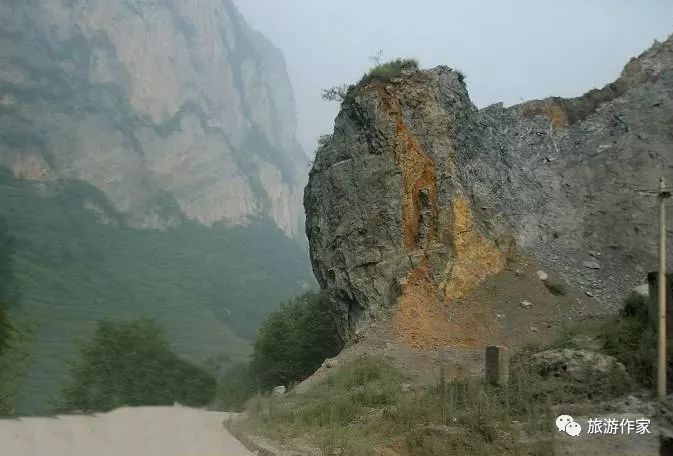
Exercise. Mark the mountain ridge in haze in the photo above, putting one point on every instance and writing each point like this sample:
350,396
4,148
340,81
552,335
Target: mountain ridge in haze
175,110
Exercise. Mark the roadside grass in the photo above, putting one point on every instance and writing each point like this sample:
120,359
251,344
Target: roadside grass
363,407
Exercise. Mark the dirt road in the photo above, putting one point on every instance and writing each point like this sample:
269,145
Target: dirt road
129,431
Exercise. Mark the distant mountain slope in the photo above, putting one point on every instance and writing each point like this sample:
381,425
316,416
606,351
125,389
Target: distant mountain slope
78,262
174,109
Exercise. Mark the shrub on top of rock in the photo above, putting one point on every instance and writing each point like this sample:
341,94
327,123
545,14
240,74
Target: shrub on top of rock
387,71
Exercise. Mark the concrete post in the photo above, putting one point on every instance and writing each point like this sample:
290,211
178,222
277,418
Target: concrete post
497,365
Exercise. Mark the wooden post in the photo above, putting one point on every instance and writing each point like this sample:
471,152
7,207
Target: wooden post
497,365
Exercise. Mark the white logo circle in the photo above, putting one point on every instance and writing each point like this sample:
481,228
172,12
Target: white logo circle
566,423
573,429
562,421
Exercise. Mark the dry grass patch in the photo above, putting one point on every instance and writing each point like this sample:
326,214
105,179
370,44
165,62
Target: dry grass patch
363,407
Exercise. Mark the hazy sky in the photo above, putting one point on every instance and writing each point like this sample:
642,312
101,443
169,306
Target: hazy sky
509,50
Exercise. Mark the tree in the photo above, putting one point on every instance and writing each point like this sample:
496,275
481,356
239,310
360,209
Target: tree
7,291
6,262
5,329
131,364
293,341
336,93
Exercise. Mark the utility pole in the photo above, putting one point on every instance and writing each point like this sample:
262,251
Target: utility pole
662,282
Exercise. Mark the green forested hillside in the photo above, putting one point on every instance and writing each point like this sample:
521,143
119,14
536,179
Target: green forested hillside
208,287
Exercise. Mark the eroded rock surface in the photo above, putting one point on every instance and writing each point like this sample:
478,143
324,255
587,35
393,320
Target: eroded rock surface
418,196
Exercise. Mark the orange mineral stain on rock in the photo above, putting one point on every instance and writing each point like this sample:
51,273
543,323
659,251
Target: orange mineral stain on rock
418,174
475,256
554,110
428,315
422,321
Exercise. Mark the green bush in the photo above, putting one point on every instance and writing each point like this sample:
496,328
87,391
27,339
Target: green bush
291,344
635,306
293,341
7,291
6,386
337,93
7,247
631,339
130,364
6,328
380,72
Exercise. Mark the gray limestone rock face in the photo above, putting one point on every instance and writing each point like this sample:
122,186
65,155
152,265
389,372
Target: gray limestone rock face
386,199
174,109
418,187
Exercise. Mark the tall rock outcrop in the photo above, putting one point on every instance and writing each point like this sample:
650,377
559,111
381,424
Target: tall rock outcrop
418,196
173,108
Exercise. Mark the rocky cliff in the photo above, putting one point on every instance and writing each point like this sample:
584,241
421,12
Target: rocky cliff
418,196
173,108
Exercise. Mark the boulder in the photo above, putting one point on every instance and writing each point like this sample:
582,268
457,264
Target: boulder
419,196
279,390
525,304
641,291
577,365
585,342
329,363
